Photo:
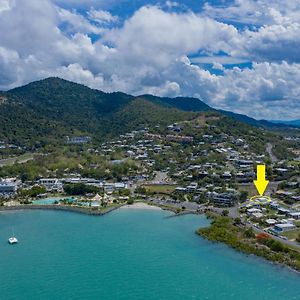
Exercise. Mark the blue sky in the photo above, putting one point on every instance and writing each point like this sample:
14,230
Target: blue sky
238,55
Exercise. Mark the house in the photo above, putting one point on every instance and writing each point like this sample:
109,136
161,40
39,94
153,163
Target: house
270,221
243,163
221,199
282,210
78,140
258,215
294,215
180,190
192,187
281,170
179,138
252,211
274,205
110,187
120,185
51,184
226,175
284,194
284,227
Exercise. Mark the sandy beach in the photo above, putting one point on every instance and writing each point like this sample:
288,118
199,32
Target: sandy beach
140,205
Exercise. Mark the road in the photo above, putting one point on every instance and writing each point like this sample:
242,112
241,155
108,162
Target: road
272,156
287,242
233,211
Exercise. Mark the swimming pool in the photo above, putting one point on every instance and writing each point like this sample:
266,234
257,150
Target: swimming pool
47,201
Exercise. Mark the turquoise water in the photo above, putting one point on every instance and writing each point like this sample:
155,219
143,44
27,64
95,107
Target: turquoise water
48,201
128,254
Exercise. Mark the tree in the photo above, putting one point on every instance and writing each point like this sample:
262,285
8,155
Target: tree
249,233
33,192
125,192
80,189
274,245
140,190
237,221
130,201
243,196
225,212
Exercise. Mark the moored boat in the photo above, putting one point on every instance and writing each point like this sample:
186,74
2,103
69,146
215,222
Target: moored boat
12,240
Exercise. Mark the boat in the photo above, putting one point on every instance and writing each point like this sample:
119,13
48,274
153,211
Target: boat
12,240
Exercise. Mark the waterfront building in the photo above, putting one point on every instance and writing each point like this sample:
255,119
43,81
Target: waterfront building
7,188
51,184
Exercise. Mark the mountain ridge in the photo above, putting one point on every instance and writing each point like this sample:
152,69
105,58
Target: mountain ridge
182,103
288,122
52,108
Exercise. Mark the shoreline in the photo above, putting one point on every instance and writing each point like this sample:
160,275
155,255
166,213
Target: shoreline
225,232
67,208
94,212
139,206
174,209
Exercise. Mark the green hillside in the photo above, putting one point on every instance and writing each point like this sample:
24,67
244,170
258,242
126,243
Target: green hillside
48,110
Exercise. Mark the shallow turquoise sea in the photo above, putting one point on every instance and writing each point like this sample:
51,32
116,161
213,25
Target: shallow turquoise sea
128,254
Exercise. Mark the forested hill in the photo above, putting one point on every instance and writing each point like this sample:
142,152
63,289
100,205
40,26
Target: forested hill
46,111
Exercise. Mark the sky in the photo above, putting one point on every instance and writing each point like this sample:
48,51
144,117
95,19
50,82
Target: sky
237,55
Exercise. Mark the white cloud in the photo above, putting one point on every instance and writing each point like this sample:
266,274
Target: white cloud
102,16
276,36
75,72
256,12
87,4
171,4
159,37
149,53
218,66
76,22
5,5
221,59
272,43
266,91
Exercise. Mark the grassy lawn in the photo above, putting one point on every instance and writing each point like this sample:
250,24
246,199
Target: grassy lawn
293,234
250,188
160,189
19,159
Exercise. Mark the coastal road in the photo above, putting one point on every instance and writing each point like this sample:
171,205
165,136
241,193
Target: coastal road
233,211
287,242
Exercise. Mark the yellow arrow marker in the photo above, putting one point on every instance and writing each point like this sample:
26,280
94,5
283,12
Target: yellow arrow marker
261,183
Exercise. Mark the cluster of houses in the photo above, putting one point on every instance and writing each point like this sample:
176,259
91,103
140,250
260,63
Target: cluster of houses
4,145
78,140
277,221
9,187
211,167
56,185
236,167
